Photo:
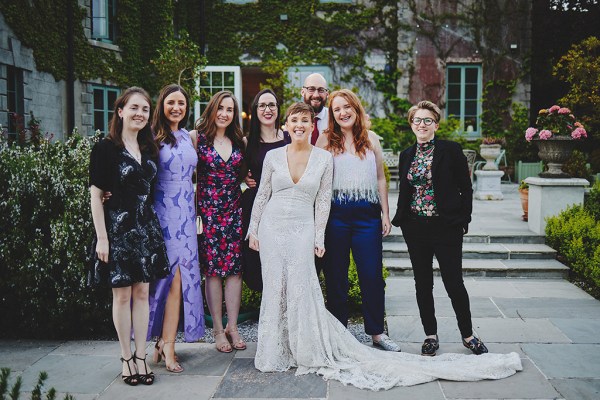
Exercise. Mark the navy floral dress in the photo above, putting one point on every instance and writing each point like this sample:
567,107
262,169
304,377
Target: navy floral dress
219,205
137,251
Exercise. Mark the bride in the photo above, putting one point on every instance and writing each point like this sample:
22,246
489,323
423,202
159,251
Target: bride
295,329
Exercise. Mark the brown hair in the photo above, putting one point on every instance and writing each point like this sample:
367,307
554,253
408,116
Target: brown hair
160,123
207,125
425,105
360,132
115,129
300,108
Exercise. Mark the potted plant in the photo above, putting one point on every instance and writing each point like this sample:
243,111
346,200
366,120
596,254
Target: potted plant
524,196
490,149
556,135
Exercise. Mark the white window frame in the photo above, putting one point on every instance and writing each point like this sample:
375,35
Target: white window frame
237,87
106,21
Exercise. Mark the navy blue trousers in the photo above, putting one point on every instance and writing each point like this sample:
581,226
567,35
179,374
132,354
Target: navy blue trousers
356,226
426,237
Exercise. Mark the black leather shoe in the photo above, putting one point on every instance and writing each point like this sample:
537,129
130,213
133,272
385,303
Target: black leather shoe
475,345
430,346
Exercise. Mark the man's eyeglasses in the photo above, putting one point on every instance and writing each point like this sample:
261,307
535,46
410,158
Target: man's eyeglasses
263,106
312,89
426,121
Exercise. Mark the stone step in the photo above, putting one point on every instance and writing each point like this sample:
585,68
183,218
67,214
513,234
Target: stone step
483,238
489,268
496,251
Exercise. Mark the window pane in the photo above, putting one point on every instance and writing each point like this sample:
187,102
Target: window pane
471,121
229,79
99,121
217,79
471,91
112,97
454,107
453,75
98,99
471,107
205,79
471,75
204,96
215,90
454,92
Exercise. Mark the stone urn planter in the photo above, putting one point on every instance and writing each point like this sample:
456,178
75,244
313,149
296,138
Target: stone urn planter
555,151
490,153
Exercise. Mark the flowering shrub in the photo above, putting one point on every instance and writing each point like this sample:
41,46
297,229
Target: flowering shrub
45,226
556,121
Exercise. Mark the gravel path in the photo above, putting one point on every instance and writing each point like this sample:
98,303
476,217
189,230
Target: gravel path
249,332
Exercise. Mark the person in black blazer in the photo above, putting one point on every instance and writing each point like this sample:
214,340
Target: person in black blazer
434,211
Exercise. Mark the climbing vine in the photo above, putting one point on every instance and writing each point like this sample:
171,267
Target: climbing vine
142,25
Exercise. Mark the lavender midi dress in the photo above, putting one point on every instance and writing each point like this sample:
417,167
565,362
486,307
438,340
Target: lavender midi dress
174,205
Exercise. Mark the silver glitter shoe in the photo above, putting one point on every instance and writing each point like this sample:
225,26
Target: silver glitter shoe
387,344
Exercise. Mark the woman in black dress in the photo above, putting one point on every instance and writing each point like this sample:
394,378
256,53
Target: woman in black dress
129,247
265,135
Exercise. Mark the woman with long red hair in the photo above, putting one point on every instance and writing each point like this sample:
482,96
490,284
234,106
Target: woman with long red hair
359,216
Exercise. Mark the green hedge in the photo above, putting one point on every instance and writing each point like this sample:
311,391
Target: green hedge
45,226
575,234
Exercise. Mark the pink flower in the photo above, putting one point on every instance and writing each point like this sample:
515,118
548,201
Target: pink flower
545,134
564,110
579,133
530,133
553,109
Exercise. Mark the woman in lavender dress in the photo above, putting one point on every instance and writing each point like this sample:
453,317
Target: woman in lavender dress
174,205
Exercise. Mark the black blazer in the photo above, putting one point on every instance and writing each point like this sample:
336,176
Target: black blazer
452,185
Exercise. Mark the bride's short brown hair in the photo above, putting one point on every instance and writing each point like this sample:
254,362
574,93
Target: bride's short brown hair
300,108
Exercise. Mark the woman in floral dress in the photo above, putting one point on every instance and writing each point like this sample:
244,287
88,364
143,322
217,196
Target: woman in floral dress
220,166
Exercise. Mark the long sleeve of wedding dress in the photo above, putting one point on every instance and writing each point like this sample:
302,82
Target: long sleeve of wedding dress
295,329
323,205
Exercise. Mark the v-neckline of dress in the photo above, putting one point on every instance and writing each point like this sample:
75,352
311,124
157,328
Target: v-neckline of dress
288,165
220,156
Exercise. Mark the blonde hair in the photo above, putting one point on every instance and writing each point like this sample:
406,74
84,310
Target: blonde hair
425,105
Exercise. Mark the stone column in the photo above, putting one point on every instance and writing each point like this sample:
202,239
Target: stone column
549,196
488,185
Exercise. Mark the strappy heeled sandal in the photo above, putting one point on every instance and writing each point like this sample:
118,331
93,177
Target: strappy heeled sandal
131,379
240,344
159,353
224,346
147,378
175,368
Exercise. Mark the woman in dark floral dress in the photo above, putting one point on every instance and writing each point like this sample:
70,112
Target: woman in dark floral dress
129,250
220,166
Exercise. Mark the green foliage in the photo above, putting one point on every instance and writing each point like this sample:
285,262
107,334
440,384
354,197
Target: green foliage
36,394
497,99
516,147
179,61
143,26
575,234
395,132
250,299
576,165
45,227
592,202
580,69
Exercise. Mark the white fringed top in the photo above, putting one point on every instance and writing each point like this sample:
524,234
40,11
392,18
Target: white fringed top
355,179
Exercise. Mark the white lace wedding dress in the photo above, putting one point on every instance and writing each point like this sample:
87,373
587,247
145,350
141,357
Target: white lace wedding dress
295,328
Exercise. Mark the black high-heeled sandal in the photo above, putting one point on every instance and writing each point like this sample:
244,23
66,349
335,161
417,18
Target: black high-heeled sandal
131,379
147,378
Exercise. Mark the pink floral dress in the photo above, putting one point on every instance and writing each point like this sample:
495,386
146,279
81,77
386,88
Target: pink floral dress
219,205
